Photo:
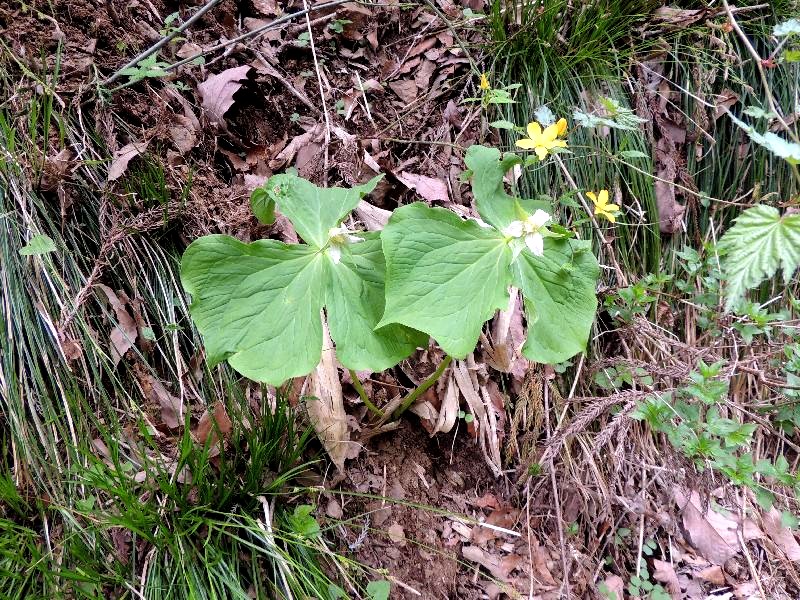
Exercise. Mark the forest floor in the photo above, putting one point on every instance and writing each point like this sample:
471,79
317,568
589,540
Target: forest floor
580,499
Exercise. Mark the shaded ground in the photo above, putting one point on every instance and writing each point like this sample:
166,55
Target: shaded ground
394,81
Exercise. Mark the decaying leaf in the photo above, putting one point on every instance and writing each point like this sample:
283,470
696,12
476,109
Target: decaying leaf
216,92
123,336
172,409
325,405
406,89
612,588
210,423
711,533
121,158
429,188
781,535
665,573
499,567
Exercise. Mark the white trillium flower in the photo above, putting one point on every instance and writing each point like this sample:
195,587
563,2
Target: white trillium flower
530,231
338,237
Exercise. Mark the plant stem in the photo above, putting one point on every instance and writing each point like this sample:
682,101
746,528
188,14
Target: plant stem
423,387
362,393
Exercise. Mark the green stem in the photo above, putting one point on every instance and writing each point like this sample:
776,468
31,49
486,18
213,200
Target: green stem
423,387
363,394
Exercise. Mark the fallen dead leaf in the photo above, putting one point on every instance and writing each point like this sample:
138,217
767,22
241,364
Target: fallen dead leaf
183,134
665,573
312,136
429,188
210,423
121,158
406,90
713,534
500,568
396,534
614,586
123,336
216,92
172,409
712,574
782,536
503,516
326,405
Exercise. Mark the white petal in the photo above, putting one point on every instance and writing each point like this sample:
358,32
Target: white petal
516,249
539,218
535,243
482,223
335,253
334,231
514,229
354,239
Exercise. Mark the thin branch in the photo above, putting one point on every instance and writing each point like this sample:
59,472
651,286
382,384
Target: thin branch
362,393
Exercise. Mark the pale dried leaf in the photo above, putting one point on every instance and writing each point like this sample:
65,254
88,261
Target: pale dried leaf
124,334
326,406
406,89
396,534
210,423
429,188
448,411
312,136
782,536
121,158
183,134
216,92
373,218
172,409
711,533
665,573
500,568
615,586
266,7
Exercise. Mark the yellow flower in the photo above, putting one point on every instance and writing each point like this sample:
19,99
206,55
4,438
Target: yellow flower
484,85
542,142
601,206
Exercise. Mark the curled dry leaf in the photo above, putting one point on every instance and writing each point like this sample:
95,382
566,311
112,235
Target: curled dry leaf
211,423
123,336
121,158
500,568
782,536
429,188
172,409
325,405
216,92
665,573
711,533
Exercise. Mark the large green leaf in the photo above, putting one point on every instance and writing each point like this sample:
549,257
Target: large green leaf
257,305
355,303
444,275
760,242
494,204
314,210
560,300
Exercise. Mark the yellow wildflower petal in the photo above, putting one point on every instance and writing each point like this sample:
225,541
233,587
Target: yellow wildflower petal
526,144
484,85
557,144
550,133
603,197
610,216
592,196
612,207
562,126
541,152
534,130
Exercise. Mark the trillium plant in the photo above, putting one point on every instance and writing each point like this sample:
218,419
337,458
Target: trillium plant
429,273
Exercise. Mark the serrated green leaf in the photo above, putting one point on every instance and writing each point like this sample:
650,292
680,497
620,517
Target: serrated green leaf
789,151
263,206
494,205
790,27
313,210
39,244
789,521
257,305
355,303
560,299
444,275
760,242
